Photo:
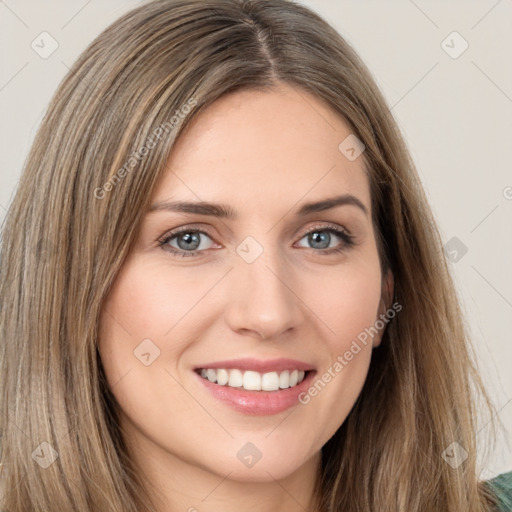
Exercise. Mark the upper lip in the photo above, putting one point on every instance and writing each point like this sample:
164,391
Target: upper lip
259,365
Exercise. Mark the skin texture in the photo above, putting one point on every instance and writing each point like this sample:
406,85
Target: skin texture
264,154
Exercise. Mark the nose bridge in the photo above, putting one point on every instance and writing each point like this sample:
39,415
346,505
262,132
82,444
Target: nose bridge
264,301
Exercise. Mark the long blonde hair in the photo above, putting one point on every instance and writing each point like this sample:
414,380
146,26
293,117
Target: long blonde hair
85,187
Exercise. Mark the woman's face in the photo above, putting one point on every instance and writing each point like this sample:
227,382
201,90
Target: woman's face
270,284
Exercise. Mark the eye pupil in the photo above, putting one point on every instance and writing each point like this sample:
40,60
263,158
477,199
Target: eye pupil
192,241
319,237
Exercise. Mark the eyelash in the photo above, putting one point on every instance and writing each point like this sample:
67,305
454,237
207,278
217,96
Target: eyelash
348,240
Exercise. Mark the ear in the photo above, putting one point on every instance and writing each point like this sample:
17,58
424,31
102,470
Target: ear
388,288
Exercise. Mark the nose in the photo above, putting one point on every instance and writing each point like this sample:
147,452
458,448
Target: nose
261,298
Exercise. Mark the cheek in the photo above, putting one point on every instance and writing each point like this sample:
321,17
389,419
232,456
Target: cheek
345,300
152,316
348,311
337,385
148,303
137,355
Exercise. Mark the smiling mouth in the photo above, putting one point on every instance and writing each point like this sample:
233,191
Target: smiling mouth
252,380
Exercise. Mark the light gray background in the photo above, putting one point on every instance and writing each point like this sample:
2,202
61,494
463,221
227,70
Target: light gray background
455,113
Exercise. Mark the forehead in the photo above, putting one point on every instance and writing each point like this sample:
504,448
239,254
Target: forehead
263,149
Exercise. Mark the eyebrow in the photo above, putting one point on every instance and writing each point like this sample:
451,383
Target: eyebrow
226,212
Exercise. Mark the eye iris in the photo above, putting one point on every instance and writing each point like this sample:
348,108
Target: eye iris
319,237
193,238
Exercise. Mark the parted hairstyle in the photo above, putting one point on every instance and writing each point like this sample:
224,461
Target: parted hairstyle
85,186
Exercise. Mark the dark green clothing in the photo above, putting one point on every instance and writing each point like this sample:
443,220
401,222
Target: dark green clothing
502,488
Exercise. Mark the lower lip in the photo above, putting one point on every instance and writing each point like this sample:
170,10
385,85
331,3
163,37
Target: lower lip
260,403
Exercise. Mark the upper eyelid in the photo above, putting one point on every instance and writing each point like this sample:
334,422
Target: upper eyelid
320,225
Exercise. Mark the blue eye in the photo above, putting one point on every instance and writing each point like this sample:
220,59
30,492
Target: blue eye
318,236
189,240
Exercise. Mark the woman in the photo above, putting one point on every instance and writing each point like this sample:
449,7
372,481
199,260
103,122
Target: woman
176,332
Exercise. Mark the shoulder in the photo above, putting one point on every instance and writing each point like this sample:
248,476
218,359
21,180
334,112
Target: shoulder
501,486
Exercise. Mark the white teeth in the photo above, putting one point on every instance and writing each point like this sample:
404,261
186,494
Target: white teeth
270,381
254,381
284,379
235,378
222,377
